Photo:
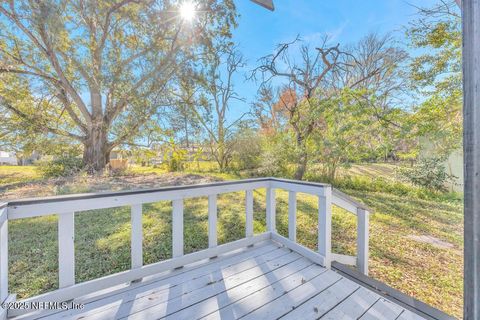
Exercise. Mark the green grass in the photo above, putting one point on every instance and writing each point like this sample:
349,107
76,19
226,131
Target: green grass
17,175
366,170
190,167
102,237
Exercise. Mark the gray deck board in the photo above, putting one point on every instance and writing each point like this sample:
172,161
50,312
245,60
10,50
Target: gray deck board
174,305
325,301
265,295
294,298
383,309
354,306
267,281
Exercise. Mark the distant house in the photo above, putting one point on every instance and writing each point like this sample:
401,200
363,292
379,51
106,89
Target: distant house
8,158
11,158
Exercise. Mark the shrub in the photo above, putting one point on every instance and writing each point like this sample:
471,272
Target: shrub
61,167
176,160
366,184
429,173
175,157
247,150
278,150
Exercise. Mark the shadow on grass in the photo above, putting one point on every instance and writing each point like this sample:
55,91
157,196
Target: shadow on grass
430,217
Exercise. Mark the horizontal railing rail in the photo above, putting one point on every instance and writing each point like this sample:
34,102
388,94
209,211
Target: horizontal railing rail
67,206
362,212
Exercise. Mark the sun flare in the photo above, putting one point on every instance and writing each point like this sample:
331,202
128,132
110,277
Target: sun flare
187,11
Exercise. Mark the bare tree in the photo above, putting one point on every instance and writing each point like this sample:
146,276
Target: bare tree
218,94
380,67
305,80
270,116
315,78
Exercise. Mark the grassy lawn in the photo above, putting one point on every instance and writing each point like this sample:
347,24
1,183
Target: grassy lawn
10,175
366,170
399,253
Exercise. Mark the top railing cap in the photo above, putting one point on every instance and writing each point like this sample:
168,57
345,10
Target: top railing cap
83,196
348,198
300,182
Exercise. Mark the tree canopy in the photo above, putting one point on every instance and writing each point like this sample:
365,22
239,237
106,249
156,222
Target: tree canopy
95,71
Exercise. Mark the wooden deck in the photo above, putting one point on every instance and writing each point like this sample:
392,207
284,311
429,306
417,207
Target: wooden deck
262,276
265,281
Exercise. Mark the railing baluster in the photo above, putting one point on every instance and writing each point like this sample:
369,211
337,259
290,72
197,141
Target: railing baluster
66,249
325,225
177,229
136,236
212,221
3,255
292,216
249,213
271,210
362,240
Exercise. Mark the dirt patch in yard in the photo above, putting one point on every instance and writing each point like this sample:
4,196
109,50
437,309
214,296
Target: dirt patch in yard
431,240
85,184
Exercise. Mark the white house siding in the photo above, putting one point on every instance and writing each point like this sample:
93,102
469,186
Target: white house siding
7,158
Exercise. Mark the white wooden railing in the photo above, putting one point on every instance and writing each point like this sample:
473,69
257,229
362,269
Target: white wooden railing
66,206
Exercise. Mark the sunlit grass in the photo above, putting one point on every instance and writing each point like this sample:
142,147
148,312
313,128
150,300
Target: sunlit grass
18,174
190,167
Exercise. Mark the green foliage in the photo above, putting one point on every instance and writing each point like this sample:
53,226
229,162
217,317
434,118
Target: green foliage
439,119
437,31
175,157
125,56
382,185
436,73
429,173
277,155
63,166
247,150
143,156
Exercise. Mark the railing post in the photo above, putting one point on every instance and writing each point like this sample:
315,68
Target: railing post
249,213
325,225
136,236
271,210
212,221
362,240
66,249
292,216
3,255
177,228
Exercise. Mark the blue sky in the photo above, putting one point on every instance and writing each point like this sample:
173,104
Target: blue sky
345,21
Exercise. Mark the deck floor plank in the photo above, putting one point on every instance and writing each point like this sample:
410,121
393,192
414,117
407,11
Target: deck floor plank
266,281
234,295
324,301
353,307
264,295
408,315
383,310
176,298
231,265
294,298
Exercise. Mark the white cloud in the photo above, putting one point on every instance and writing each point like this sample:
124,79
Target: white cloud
332,35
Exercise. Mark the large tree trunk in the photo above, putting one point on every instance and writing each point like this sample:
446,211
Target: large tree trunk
96,152
301,166
302,158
